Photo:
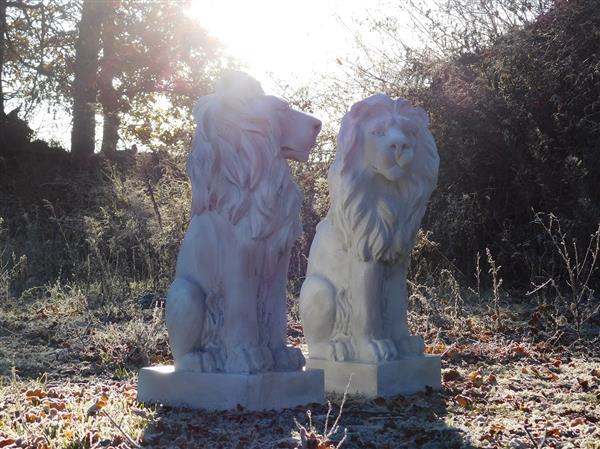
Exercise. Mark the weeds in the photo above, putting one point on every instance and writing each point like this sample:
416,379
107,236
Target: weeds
575,300
311,438
139,341
494,272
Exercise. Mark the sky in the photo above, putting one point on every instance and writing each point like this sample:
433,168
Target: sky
287,40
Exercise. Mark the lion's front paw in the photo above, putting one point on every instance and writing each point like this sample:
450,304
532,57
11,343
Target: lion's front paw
336,350
244,358
209,361
410,345
288,358
374,350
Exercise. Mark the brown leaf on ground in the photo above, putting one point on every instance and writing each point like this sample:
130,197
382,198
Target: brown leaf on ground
438,348
475,377
519,351
497,428
577,421
463,401
54,404
35,394
451,375
555,433
98,405
584,384
6,442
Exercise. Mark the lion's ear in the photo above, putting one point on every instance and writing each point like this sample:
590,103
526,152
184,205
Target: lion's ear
358,109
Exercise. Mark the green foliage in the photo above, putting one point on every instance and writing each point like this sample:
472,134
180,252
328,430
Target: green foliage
516,126
161,62
38,53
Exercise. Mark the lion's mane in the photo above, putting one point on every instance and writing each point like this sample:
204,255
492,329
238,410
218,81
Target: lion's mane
379,219
236,167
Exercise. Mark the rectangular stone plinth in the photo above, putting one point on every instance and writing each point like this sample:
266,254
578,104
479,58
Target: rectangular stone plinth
405,376
223,391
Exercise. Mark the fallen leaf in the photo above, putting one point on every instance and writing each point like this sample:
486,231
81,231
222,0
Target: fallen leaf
585,385
463,401
438,348
98,405
37,393
577,421
553,433
451,375
492,379
497,428
56,405
520,351
475,377
69,434
31,417
7,442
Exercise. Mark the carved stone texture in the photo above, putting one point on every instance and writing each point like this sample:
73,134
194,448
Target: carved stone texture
226,309
353,303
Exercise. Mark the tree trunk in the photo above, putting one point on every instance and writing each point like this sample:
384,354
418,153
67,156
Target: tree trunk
2,46
85,83
108,94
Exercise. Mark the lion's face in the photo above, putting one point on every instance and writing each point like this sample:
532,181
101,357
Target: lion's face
389,145
385,169
238,165
298,130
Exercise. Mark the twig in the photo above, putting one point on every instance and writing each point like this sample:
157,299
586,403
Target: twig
448,349
114,423
531,438
335,424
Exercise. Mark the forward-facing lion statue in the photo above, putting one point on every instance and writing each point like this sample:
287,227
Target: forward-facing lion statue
353,303
226,309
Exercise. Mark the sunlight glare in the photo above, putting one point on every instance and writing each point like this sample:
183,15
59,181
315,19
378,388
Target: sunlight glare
289,39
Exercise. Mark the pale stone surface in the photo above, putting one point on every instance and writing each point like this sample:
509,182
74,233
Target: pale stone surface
353,303
226,310
224,391
403,376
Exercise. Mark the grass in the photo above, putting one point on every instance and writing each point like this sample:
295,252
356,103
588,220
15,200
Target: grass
69,380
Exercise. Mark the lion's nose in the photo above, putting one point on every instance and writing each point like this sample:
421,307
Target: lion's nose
397,146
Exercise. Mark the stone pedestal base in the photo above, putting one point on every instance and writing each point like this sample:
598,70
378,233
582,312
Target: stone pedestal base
405,376
222,391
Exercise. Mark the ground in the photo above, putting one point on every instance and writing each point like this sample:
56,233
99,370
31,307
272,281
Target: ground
63,387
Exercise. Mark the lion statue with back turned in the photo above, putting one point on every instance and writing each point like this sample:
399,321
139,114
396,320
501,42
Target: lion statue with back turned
353,303
226,309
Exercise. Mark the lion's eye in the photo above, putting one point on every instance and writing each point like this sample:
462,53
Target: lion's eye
378,132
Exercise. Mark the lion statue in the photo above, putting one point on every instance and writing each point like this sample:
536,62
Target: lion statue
353,303
226,309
